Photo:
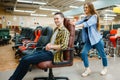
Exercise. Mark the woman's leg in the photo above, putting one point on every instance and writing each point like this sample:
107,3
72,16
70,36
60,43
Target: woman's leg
85,51
100,48
84,54
34,58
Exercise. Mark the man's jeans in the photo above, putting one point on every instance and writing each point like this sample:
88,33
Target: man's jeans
25,62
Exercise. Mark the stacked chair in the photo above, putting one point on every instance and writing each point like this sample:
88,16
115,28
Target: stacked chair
28,42
118,43
68,57
43,40
78,44
5,36
113,42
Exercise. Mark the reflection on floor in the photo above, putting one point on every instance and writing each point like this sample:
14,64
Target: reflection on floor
8,64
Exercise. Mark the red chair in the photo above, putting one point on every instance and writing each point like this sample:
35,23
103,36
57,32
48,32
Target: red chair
113,37
27,42
68,57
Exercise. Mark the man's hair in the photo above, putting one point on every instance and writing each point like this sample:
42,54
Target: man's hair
59,13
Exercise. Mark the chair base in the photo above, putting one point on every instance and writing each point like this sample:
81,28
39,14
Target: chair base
51,77
54,78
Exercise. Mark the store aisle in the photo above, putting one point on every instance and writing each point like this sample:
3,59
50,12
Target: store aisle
8,64
7,60
74,72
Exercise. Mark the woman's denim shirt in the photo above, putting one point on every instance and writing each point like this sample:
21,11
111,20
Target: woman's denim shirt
93,34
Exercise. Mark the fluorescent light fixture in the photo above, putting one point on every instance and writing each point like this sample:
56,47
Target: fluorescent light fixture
27,11
34,2
23,1
73,6
110,15
71,17
117,5
80,0
38,15
19,10
39,2
82,15
49,9
53,13
109,18
109,10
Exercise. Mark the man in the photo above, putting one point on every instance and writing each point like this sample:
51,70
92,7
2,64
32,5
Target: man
59,41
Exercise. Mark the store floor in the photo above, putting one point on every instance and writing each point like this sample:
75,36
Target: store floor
8,64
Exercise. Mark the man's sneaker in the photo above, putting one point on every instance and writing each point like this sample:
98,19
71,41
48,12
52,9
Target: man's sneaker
86,73
104,71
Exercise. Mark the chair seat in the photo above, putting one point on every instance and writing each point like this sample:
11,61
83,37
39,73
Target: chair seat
49,64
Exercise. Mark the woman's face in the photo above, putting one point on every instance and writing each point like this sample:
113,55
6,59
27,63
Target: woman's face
86,9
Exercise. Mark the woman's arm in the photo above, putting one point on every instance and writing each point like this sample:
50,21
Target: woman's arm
91,21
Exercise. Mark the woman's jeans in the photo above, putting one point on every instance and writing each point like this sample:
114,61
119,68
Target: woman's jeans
25,62
99,47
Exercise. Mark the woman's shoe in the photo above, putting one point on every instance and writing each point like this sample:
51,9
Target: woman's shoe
104,71
86,73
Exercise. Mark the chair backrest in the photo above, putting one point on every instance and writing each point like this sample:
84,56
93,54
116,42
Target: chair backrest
37,35
113,31
45,36
71,29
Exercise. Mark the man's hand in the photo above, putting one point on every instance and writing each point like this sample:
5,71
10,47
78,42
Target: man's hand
48,46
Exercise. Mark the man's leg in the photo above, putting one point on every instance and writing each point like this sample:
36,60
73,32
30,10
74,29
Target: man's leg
25,62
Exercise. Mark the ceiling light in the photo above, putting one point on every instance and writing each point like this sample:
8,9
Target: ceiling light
73,6
110,15
109,18
80,0
49,9
19,10
38,15
23,1
34,2
109,10
53,13
70,17
39,2
117,5
27,11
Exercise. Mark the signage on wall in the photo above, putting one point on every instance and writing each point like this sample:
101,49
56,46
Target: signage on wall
0,20
3,18
8,23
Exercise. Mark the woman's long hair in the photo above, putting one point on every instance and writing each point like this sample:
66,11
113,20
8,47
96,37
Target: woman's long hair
92,12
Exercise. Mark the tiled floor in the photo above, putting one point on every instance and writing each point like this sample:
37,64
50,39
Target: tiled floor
74,72
8,64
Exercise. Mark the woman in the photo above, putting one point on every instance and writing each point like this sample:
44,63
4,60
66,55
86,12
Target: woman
91,37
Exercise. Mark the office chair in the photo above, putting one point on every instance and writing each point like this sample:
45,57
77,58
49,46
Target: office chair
68,56
43,40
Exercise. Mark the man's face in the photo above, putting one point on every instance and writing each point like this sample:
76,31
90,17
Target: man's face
58,20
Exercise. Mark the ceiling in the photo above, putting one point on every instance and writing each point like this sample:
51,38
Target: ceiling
63,5
30,7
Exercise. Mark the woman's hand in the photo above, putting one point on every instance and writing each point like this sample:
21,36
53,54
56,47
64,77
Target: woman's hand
80,26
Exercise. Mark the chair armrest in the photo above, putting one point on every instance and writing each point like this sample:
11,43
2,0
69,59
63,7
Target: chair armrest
25,38
67,61
31,44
